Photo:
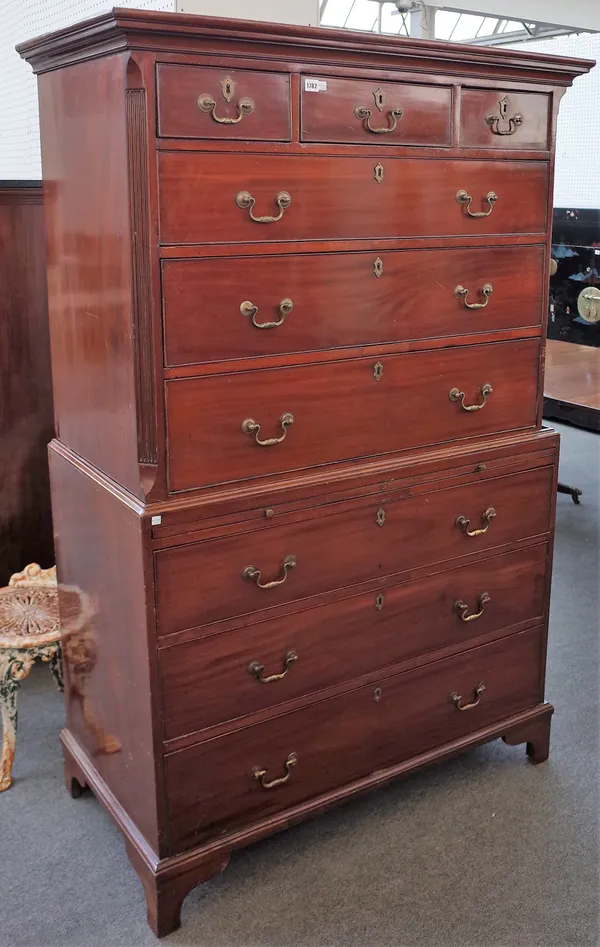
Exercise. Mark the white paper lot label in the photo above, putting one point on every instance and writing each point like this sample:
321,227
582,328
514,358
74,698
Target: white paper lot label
315,85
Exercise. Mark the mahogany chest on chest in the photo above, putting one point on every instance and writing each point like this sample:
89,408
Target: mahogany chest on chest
298,287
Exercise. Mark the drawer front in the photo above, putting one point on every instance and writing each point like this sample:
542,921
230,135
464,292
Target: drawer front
334,411
360,111
207,581
492,119
341,198
217,309
226,676
200,102
217,786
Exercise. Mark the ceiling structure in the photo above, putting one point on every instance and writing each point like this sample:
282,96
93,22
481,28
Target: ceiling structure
463,21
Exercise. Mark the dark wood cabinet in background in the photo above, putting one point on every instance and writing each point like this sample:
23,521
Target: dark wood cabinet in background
26,422
297,283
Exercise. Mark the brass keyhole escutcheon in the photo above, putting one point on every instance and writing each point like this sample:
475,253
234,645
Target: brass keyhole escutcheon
379,97
378,267
227,88
379,602
378,173
377,693
377,371
380,517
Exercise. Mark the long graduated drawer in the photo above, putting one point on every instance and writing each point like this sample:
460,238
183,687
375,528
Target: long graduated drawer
225,198
249,424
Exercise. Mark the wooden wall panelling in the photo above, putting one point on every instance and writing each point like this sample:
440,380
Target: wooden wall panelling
26,415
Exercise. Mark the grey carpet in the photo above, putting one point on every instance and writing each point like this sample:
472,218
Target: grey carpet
484,850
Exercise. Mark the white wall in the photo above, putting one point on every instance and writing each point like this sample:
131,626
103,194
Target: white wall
577,177
304,12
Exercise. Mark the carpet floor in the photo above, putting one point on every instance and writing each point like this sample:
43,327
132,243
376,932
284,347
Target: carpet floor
483,851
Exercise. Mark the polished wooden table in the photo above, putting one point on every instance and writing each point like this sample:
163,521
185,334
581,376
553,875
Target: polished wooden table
572,389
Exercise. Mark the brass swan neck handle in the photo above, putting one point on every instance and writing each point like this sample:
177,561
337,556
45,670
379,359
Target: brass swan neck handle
463,609
246,201
206,103
250,426
364,115
464,524
464,198
455,395
486,291
248,309
458,701
255,575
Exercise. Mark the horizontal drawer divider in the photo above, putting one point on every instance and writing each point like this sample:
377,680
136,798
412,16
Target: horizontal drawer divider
464,152
233,250
223,626
378,676
316,356
187,531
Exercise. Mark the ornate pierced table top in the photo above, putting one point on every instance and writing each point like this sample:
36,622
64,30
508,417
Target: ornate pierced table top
30,616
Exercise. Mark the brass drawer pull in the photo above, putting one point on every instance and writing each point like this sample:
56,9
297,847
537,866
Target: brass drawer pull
260,774
254,575
255,668
463,523
249,309
455,395
364,115
245,200
462,608
206,103
486,291
250,426
457,699
509,125
464,198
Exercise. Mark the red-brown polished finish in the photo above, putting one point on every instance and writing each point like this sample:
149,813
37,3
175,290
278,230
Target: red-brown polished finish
25,382
211,787
418,529
523,120
409,406
305,620
339,300
207,681
331,113
179,89
335,198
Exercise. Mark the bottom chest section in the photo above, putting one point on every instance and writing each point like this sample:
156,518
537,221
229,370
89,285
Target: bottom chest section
254,772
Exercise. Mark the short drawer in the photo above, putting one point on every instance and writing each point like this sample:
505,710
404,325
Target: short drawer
515,120
341,545
359,111
281,419
255,306
246,198
247,775
202,102
230,675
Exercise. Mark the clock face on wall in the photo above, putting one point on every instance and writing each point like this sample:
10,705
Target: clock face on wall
588,304
574,314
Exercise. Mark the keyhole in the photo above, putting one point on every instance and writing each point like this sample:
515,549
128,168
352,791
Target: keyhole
377,695
379,96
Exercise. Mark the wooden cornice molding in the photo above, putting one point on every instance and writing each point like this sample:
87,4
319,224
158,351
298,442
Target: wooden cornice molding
122,29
